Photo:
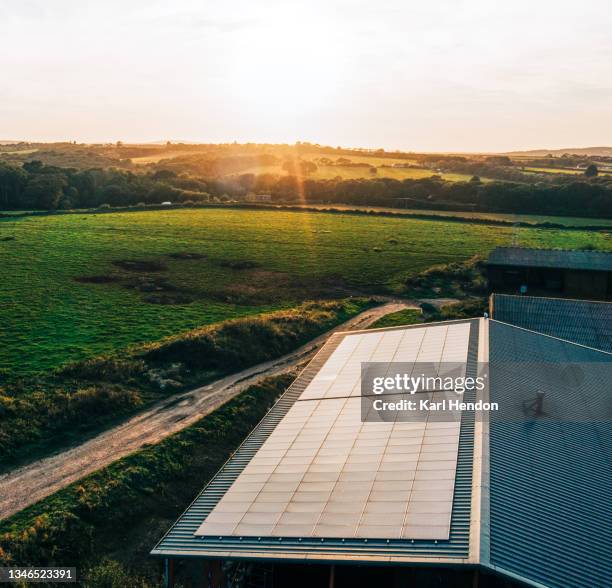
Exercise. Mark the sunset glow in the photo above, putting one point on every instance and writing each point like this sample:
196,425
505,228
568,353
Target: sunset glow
449,75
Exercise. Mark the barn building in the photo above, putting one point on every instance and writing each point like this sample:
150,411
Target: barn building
551,272
317,495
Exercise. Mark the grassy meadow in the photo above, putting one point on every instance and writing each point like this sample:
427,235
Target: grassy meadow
383,165
347,172
77,285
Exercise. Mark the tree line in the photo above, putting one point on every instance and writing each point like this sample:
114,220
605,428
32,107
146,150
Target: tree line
34,186
572,198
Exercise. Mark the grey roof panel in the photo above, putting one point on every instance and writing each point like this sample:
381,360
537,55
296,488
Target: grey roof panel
552,258
580,321
550,482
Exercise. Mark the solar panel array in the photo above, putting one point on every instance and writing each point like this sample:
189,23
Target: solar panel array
325,473
340,376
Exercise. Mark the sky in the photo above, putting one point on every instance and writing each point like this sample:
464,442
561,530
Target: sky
440,75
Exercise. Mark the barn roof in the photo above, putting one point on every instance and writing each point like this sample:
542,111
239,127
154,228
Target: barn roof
550,483
581,321
552,258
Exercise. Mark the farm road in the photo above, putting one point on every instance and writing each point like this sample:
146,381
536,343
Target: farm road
37,480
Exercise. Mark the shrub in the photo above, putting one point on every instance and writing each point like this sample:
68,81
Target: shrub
108,574
453,279
472,308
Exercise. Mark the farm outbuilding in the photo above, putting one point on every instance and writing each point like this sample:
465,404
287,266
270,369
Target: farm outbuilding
319,496
551,272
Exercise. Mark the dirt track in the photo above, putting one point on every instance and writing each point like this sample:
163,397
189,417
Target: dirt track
33,482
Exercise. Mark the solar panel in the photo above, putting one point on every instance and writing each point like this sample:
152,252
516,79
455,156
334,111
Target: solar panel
340,376
324,473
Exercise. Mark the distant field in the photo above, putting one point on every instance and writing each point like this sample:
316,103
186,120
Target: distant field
145,159
553,170
557,170
327,172
17,151
333,171
252,261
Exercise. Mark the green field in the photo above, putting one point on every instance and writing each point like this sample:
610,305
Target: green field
384,166
346,172
562,170
50,318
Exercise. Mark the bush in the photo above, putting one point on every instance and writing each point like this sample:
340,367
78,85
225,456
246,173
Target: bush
452,280
111,574
473,308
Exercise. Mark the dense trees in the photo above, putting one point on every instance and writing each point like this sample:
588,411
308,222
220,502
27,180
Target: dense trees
573,198
299,168
43,187
12,183
46,187
44,191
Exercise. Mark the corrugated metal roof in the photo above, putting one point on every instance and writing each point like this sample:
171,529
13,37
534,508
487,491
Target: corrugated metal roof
552,258
581,321
550,478
180,541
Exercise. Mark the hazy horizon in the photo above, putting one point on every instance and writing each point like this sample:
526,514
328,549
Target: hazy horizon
162,142
452,76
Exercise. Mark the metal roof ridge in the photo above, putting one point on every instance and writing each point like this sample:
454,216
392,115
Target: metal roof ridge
479,511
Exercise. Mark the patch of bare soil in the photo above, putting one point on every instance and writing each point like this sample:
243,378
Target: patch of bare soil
186,255
140,265
168,298
151,284
259,286
241,264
